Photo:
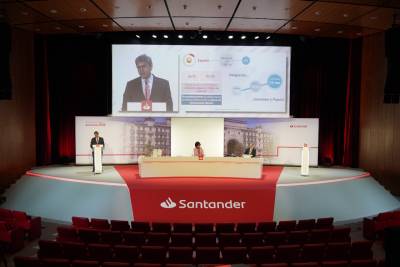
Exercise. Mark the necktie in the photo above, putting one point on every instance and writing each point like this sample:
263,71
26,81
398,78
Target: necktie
97,140
147,89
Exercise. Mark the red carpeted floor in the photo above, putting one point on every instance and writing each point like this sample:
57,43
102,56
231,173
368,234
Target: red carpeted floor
202,199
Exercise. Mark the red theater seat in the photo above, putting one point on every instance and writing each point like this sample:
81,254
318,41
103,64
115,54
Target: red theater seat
84,263
305,264
206,240
207,255
234,255
324,223
153,254
287,253
246,227
204,228
297,237
275,238
306,224
110,237
363,263
334,264
100,224
319,236
341,234
134,238
115,264
225,227
157,239
265,254
100,252
80,222
140,227
265,227
180,255
74,250
183,227
31,225
67,234
281,264
12,238
126,253
21,261
50,249
161,227
147,265
253,239
89,235
118,225
229,239
374,227
181,240
361,250
337,251
286,225
313,252
55,262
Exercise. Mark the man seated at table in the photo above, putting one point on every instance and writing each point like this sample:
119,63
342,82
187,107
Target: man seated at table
197,150
251,150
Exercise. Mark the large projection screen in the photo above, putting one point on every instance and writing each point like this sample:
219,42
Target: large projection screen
200,81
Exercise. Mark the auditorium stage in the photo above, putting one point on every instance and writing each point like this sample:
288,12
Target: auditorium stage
60,192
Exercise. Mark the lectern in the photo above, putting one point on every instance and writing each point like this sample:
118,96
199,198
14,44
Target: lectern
97,152
305,160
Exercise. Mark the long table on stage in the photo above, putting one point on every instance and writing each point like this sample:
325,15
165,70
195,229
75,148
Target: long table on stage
228,167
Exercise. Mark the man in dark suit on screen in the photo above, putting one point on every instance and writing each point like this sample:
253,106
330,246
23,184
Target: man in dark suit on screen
147,88
96,140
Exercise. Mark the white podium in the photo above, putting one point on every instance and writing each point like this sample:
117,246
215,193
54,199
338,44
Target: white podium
97,154
305,161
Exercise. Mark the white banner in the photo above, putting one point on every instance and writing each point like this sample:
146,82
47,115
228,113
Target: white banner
125,138
278,141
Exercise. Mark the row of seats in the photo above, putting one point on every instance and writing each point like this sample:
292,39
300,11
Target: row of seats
203,239
35,262
16,226
374,227
118,225
260,254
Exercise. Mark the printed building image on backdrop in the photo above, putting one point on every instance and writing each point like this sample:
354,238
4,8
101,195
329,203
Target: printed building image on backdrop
125,138
278,141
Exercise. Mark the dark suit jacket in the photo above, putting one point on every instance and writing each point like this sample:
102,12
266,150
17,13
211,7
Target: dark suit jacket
93,142
253,153
160,92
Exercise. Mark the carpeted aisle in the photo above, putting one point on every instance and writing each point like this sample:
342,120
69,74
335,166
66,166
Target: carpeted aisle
201,199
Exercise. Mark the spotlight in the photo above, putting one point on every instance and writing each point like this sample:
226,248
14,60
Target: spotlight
138,36
268,37
243,37
205,36
256,37
180,36
165,36
154,36
230,37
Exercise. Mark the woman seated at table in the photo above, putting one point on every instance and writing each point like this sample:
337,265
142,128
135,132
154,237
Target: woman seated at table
197,150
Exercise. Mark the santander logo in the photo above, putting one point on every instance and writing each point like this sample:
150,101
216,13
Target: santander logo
168,204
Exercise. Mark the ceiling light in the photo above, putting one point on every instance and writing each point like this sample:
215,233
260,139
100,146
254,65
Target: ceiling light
373,17
154,36
317,29
268,37
57,28
37,29
230,37
165,36
359,33
339,31
24,13
345,15
205,36
81,26
317,13
53,11
82,9
243,37
256,37
137,36
294,27
180,36
104,25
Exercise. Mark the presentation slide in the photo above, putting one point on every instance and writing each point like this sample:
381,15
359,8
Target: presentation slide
200,81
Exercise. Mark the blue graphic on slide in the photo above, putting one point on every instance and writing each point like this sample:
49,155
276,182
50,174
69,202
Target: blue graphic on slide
274,81
246,60
255,86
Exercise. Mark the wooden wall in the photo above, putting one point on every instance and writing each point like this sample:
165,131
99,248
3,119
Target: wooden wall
17,116
379,122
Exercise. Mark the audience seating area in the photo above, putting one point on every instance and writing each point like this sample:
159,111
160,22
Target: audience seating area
374,227
99,242
16,226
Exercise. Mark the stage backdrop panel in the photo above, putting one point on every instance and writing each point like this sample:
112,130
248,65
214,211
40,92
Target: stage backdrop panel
125,138
208,131
278,141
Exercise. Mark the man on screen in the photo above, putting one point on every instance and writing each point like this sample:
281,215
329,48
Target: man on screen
147,88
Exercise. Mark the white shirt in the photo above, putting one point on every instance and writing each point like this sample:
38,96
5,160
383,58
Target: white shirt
150,84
